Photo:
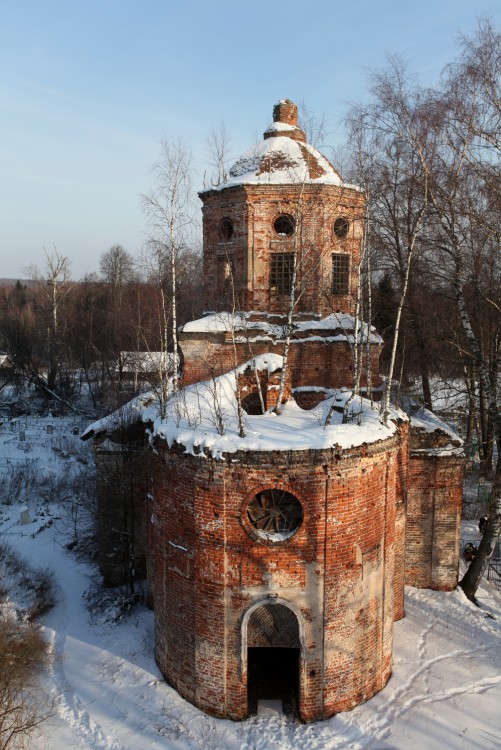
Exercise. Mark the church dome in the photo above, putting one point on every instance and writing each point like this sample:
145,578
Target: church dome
283,156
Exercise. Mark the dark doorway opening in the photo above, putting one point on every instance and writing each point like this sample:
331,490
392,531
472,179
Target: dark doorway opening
273,673
251,404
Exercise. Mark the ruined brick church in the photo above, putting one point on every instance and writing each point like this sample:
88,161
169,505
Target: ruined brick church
276,548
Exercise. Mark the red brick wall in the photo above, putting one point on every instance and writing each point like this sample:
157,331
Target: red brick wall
253,210
121,463
313,363
434,500
336,571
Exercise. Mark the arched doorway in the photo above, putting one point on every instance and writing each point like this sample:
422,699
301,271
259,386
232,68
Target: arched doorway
273,656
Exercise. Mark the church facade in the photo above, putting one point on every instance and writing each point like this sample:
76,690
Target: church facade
277,544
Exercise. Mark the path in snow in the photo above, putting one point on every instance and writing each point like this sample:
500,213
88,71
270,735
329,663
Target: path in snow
445,690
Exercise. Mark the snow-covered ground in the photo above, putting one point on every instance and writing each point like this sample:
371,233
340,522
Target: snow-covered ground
445,691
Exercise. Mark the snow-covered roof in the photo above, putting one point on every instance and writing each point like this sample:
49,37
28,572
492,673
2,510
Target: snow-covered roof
282,160
191,420
334,327
427,421
194,412
126,415
431,436
283,157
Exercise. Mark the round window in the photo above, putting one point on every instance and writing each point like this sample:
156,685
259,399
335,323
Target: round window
284,225
226,229
341,227
275,514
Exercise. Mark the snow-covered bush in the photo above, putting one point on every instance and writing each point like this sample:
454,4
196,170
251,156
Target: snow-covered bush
17,482
26,592
110,605
23,705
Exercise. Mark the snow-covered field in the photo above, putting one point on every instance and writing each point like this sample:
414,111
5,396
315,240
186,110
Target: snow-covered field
445,691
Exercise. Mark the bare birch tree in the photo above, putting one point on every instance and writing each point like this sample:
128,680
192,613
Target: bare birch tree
459,154
117,269
386,133
294,294
169,208
471,123
234,313
54,282
218,148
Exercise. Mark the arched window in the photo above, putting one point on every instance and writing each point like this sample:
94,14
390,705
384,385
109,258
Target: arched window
251,404
226,230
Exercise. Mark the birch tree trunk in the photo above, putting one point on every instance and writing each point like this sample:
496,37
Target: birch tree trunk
240,411
385,406
471,579
169,206
289,326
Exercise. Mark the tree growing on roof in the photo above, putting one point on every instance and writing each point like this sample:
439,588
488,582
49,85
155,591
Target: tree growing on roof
294,293
218,147
387,162
315,130
169,208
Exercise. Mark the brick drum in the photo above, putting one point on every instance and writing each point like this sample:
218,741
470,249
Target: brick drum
253,210
335,574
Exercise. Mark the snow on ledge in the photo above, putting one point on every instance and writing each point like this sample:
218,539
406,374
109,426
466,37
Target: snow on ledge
341,324
121,418
442,452
194,413
428,422
276,127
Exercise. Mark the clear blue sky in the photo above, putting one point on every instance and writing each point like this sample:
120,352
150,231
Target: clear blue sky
88,90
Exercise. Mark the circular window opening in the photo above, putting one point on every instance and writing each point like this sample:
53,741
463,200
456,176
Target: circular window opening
284,225
226,229
275,514
341,227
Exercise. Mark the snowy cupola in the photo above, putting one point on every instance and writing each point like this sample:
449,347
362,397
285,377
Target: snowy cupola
283,157
282,199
